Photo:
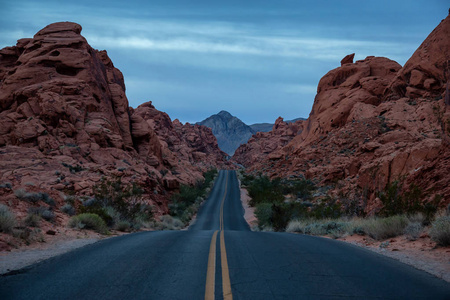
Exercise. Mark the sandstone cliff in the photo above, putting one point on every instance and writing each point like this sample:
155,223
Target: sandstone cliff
373,122
65,123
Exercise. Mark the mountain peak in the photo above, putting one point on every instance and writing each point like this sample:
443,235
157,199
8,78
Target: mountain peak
225,114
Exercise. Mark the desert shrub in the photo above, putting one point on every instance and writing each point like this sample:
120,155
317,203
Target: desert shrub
34,197
383,228
413,230
410,202
333,228
6,185
281,214
32,220
7,219
302,189
43,212
168,222
88,221
263,213
440,231
186,202
123,226
262,189
326,209
68,209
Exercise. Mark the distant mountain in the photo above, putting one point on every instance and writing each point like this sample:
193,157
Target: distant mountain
266,127
229,131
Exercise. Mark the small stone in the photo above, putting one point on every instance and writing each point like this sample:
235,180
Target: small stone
51,232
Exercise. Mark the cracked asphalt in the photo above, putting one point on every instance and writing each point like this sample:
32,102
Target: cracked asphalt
262,265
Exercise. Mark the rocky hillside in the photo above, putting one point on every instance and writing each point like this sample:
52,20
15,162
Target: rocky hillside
65,124
264,145
373,123
229,130
266,127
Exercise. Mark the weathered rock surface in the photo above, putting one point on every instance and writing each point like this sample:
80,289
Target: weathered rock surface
373,122
268,145
65,123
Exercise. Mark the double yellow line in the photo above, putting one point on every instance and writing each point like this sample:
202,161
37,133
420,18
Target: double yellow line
211,271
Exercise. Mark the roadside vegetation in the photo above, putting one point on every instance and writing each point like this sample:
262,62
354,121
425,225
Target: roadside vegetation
185,204
300,206
114,205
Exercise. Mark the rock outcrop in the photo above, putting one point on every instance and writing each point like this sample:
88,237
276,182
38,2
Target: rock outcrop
268,145
373,122
65,123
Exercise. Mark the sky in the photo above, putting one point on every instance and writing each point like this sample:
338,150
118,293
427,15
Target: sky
256,59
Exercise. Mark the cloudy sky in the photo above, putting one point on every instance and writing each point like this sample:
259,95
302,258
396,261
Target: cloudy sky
257,59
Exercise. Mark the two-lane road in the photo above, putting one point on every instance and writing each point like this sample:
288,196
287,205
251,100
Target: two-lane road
219,257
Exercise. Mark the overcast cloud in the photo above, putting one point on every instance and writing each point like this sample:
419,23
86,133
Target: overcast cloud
256,59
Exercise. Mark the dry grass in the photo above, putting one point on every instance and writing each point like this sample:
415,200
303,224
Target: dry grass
440,231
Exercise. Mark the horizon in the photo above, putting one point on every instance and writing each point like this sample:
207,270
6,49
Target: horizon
256,60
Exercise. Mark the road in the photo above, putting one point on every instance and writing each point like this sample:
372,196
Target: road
220,258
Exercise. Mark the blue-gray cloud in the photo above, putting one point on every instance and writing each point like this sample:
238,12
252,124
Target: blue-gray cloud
258,59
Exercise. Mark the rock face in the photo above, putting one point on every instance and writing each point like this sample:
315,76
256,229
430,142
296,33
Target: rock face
229,131
373,122
65,123
266,127
264,146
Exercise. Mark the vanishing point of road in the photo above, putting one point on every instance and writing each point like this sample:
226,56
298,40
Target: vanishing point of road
220,258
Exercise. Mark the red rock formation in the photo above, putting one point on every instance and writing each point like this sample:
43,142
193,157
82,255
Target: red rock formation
268,145
374,122
65,123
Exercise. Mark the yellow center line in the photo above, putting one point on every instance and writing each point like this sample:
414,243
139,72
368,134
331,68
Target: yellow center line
226,284
211,272
223,201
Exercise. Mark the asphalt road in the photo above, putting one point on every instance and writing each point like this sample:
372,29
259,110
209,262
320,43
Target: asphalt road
219,257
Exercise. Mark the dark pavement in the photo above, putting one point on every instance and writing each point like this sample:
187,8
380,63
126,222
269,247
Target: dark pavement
219,256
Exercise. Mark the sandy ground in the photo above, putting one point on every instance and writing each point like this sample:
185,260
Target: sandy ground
63,241
249,214
423,254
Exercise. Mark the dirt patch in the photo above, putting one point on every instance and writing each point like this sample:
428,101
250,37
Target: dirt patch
16,256
249,214
423,254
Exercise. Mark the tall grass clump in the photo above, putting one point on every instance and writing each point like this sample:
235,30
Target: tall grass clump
383,228
89,221
7,219
440,231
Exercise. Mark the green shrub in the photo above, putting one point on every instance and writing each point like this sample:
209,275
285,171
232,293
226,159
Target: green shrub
88,221
7,219
410,202
32,220
123,226
263,213
262,189
186,202
440,231
383,228
43,212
